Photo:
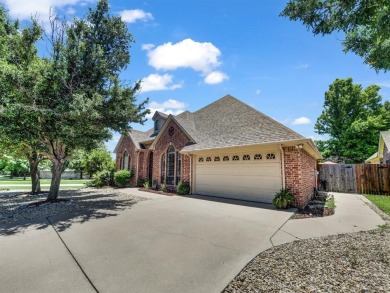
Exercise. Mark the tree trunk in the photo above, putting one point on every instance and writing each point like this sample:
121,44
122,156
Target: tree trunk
35,181
55,179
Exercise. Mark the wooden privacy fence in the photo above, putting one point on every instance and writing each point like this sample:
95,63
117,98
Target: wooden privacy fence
355,178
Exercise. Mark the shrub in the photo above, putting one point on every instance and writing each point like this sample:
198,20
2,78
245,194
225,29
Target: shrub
183,188
102,178
147,184
123,177
163,187
140,182
283,199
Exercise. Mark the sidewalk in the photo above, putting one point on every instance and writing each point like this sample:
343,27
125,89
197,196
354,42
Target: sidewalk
352,214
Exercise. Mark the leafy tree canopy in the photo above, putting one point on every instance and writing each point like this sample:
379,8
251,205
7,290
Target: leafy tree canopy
365,24
352,117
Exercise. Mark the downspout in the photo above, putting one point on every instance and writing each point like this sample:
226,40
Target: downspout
283,175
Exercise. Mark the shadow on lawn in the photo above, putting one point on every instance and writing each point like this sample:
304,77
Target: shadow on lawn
80,207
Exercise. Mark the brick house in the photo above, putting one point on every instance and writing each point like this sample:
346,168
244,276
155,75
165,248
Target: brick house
226,149
382,156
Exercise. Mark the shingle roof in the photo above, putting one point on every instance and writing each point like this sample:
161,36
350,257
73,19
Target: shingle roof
386,137
226,122
230,122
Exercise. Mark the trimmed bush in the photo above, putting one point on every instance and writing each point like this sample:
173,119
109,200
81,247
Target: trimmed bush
102,178
123,177
183,188
283,199
140,182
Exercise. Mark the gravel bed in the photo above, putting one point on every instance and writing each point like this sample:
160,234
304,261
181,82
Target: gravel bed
355,262
17,205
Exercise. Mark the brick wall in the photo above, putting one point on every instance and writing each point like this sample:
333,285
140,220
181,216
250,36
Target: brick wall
179,139
299,174
127,145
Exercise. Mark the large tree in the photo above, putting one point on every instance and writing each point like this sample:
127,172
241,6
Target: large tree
365,24
20,70
80,99
352,117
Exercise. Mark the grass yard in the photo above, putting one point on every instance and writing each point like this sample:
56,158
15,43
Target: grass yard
17,183
381,201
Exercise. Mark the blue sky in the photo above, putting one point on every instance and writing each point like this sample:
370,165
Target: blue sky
193,52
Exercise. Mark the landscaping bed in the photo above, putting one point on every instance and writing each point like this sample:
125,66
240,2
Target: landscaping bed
157,191
322,205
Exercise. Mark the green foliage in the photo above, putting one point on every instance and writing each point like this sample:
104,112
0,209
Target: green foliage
365,24
16,167
163,187
183,188
123,177
102,178
147,184
283,199
330,203
140,182
73,98
352,117
97,160
381,201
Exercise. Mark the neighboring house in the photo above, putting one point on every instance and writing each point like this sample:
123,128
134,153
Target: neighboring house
382,156
226,149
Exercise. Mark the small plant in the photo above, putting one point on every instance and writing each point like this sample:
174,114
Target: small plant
123,177
330,203
283,199
163,187
140,182
183,188
146,184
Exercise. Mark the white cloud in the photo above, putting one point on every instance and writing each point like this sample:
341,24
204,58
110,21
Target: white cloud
147,47
215,77
258,92
302,66
301,121
134,15
70,11
23,10
202,57
384,84
157,82
170,106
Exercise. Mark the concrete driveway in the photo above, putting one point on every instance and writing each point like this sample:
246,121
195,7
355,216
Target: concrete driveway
165,244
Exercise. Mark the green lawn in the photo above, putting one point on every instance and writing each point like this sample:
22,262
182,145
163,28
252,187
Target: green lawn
5,181
381,201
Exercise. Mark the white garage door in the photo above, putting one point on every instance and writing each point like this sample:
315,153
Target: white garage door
252,176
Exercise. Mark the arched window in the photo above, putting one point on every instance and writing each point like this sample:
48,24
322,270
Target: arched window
163,168
171,166
125,161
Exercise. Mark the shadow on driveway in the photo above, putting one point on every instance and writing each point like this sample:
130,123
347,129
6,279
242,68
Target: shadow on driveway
17,214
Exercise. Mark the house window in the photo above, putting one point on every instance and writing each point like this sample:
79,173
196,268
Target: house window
246,157
126,161
208,159
226,158
258,157
271,156
200,160
216,159
163,168
171,166
178,167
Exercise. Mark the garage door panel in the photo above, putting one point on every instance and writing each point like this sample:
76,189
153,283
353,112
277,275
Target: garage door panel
247,180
